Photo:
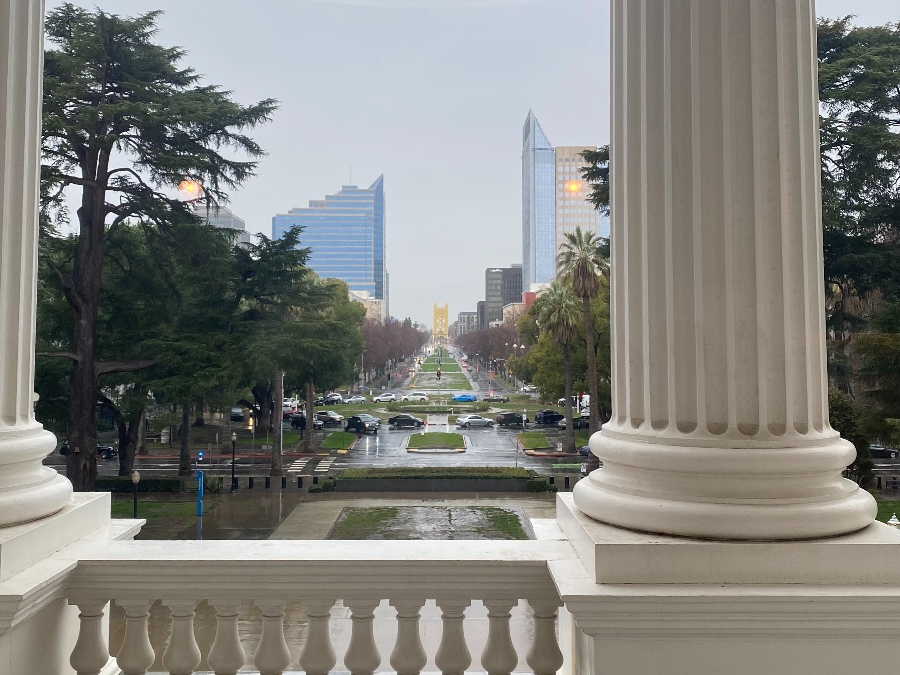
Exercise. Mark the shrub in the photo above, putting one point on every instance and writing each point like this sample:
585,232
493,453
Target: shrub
539,484
316,488
437,472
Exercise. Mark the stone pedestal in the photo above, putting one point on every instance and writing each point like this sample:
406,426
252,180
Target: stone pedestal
720,403
657,604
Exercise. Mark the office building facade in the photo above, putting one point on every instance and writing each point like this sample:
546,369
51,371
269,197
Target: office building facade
502,286
538,204
466,322
226,219
347,234
554,201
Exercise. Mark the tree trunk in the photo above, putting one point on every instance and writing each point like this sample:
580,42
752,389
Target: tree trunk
142,435
198,417
570,428
593,427
184,438
278,425
310,417
263,398
128,440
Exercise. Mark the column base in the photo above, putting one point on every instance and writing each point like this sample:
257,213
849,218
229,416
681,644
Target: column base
28,489
657,604
762,492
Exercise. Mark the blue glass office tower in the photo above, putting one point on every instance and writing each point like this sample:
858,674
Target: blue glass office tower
346,232
538,205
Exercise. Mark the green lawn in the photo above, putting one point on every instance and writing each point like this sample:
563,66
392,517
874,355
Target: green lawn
886,509
436,440
339,440
165,519
534,440
363,523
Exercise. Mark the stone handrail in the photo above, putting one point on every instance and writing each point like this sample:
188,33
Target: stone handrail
272,574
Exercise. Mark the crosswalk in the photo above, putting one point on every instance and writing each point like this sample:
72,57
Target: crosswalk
298,464
325,465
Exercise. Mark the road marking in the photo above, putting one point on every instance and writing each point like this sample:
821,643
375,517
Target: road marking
298,464
325,465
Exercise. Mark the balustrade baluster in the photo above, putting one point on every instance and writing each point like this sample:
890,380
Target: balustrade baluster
499,656
453,657
408,657
226,657
136,655
272,654
91,653
182,655
362,657
318,657
544,657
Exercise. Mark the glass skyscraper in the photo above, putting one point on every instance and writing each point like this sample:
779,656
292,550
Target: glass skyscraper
346,232
554,202
538,205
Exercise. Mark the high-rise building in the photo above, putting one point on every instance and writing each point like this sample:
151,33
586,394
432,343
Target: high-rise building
572,207
225,218
466,322
481,315
502,286
538,205
347,234
554,201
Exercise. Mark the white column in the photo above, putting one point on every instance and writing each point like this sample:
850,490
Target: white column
720,424
28,490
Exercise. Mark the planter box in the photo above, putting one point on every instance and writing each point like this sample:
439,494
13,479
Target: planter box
431,484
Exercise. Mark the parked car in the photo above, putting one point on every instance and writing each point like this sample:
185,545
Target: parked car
363,424
237,414
584,450
298,421
386,397
577,423
510,419
547,417
464,398
880,452
329,417
333,399
404,420
103,451
562,401
529,388
319,400
356,398
466,421
495,398
415,396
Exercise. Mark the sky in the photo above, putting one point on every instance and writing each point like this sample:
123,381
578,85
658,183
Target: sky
431,93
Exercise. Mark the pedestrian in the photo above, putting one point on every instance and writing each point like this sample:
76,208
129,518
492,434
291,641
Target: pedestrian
302,426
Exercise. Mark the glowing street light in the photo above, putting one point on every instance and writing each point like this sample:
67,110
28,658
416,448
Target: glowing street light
189,190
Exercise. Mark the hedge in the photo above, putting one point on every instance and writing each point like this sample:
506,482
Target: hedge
442,409
118,484
437,472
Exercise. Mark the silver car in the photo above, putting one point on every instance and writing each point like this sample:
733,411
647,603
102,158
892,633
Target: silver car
386,397
466,421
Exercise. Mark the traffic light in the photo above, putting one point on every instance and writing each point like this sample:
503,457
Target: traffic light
200,457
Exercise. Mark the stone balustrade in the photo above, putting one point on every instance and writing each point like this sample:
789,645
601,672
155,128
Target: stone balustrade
272,575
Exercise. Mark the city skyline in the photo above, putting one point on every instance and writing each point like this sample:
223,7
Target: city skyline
433,96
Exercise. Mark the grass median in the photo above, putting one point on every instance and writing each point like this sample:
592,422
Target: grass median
338,440
534,440
437,439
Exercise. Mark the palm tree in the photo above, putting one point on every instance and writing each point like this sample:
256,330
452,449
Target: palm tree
559,315
581,262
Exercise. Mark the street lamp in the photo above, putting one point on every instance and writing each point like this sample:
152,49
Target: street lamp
233,479
135,479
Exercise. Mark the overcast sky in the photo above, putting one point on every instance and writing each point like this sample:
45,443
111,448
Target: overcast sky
431,93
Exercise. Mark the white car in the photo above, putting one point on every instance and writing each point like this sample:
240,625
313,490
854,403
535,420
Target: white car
466,421
415,396
386,397
355,399
529,389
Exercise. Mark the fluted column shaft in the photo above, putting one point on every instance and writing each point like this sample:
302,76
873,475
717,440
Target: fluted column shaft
720,403
28,490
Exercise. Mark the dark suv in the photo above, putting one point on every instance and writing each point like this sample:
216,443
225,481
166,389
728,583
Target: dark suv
509,419
298,421
103,451
404,420
495,398
363,424
547,417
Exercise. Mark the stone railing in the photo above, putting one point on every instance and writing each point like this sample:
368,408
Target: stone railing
360,576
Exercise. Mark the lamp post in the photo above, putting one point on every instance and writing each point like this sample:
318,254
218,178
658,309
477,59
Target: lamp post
515,353
135,479
233,479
